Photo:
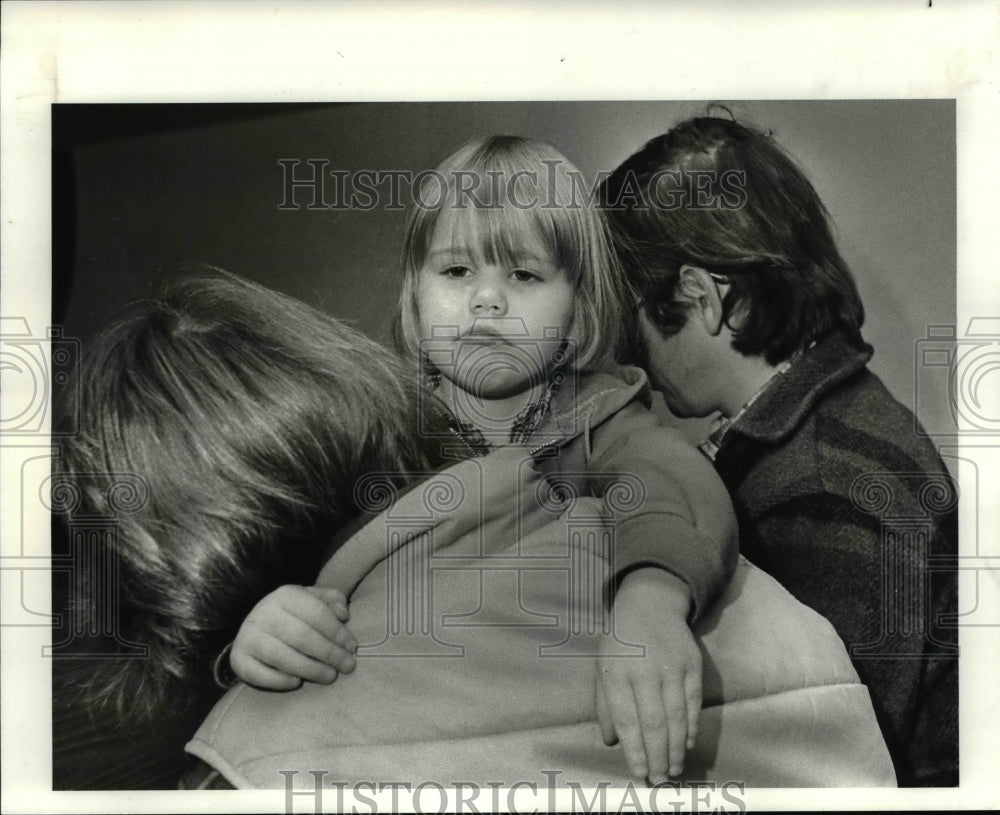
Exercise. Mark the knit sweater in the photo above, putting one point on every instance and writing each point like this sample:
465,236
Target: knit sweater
843,499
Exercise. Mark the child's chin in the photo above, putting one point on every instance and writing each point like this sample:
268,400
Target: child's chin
503,386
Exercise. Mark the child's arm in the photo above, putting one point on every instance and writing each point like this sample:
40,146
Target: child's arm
294,633
685,523
672,556
651,703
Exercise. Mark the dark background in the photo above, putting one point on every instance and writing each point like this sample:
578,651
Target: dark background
139,190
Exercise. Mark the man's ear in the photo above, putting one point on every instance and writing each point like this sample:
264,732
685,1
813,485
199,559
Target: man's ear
701,292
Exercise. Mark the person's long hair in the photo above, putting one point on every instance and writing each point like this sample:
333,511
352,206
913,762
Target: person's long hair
245,418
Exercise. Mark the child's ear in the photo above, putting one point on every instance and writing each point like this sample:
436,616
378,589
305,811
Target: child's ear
697,287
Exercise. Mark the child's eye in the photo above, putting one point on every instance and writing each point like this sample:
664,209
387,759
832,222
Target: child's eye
456,271
524,276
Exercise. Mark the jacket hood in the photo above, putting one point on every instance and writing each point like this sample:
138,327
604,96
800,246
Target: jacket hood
588,398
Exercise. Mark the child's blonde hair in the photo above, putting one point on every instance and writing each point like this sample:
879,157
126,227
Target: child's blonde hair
506,187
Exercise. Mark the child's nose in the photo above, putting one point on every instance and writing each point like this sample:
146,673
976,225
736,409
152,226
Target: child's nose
488,298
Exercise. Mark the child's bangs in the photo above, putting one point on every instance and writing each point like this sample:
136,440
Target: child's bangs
510,228
508,196
509,235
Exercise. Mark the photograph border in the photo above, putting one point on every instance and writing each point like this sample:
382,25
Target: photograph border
258,52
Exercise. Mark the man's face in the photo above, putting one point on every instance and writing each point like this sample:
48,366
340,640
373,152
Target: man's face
679,366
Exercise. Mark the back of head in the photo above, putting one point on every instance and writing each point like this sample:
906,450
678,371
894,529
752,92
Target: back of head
248,417
719,195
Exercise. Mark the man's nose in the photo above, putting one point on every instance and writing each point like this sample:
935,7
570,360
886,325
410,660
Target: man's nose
488,299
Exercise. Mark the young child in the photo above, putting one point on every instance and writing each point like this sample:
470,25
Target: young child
512,306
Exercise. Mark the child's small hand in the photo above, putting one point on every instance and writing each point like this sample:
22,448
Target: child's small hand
651,703
294,633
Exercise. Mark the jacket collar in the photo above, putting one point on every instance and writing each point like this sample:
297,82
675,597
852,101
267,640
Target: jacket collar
783,406
587,400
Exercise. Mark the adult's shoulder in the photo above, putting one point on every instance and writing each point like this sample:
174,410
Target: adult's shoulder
861,429
830,428
857,459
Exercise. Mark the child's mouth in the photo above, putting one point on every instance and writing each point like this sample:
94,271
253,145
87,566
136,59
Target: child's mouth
484,336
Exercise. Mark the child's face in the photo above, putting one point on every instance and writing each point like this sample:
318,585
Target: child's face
491,327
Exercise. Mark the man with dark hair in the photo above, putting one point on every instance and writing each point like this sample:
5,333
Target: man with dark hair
747,310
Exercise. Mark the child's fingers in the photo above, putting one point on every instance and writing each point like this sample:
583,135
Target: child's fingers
309,605
621,705
274,653
340,658
343,638
654,724
675,705
692,693
317,615
256,673
334,599
334,634
604,715
303,639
